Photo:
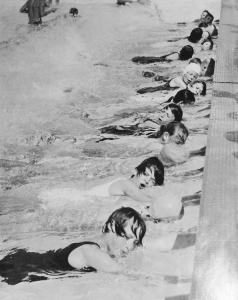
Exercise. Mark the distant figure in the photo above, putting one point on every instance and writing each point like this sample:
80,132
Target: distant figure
123,2
184,54
73,11
36,9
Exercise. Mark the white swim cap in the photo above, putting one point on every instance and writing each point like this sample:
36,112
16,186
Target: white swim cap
193,68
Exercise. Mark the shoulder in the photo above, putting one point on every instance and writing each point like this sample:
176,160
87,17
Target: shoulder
78,257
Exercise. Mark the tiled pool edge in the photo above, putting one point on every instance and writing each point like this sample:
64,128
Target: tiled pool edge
216,259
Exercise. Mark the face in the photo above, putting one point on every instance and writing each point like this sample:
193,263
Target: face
203,15
147,179
196,88
190,76
122,245
166,115
206,46
208,19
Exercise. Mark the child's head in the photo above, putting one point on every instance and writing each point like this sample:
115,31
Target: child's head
198,88
186,52
174,132
207,44
184,97
150,172
206,17
191,73
175,111
195,35
126,228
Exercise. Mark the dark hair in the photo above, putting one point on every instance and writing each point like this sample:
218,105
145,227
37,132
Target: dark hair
195,35
209,14
73,11
208,40
195,60
186,52
171,128
156,164
117,222
176,110
184,96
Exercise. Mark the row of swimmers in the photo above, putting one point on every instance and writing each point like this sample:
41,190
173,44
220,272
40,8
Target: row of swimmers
125,228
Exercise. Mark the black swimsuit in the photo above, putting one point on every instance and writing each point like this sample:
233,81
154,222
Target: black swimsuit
15,267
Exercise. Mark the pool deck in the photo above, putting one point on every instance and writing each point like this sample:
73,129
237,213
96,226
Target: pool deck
216,261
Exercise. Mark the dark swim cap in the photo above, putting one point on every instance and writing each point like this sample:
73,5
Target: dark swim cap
186,52
195,35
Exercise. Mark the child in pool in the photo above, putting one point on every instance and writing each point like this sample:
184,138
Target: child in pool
191,73
148,173
206,23
198,35
207,44
123,231
141,122
36,9
184,54
198,87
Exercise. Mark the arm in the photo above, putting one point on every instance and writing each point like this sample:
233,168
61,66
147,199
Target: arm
177,82
130,190
92,256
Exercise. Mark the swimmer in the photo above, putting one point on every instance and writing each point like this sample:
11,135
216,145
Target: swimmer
173,132
198,88
147,174
36,9
184,54
198,35
206,23
182,97
207,44
174,136
122,232
190,74
73,11
141,122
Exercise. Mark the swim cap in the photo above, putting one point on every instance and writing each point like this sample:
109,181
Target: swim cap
193,68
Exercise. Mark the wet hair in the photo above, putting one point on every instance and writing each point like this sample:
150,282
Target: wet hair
176,111
204,87
171,128
195,60
156,164
210,41
186,52
117,222
184,96
195,35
